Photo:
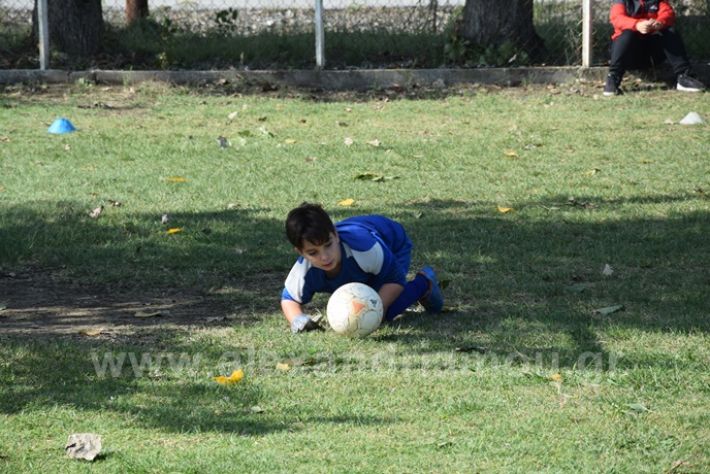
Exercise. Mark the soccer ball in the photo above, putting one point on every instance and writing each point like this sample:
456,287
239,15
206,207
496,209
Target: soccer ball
354,309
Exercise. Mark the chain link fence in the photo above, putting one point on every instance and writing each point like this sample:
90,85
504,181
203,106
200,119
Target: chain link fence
202,34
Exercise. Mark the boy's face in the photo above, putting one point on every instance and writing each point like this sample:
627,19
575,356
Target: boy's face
325,256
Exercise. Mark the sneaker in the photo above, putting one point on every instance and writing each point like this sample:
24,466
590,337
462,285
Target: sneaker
612,86
688,83
433,301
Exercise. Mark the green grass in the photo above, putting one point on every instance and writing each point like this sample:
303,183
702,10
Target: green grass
591,182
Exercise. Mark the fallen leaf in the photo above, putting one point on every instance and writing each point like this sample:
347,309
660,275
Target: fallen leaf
96,212
174,230
264,131
67,147
348,109
311,159
348,141
150,314
92,332
676,465
556,377
607,270
375,143
609,309
83,446
283,367
233,115
592,171
176,179
346,202
511,154
290,141
234,378
223,142
504,210
256,409
637,407
5,139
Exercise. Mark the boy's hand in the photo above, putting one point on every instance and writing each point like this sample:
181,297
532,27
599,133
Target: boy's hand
303,323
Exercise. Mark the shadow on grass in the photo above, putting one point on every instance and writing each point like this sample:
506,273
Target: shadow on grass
517,283
175,398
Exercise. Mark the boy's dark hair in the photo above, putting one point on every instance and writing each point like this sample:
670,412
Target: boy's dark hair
308,222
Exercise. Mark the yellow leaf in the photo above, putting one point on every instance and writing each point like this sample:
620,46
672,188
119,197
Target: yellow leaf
289,141
511,153
174,230
556,377
504,210
346,202
236,377
176,179
283,367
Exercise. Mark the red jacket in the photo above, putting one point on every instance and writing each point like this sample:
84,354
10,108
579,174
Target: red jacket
625,14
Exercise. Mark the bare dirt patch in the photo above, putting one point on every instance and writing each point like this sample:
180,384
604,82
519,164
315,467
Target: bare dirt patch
36,302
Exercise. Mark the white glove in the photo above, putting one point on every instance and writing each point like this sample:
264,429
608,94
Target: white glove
304,323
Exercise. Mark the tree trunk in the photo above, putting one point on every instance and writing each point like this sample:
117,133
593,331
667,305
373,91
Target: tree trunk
75,26
135,10
495,22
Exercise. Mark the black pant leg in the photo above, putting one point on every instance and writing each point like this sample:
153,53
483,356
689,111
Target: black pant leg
623,50
674,49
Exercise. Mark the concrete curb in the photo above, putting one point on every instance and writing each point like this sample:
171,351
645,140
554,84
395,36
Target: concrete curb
358,79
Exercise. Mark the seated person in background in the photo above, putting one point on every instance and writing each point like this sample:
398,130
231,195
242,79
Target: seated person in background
644,35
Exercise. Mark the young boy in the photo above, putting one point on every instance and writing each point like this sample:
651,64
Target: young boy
371,249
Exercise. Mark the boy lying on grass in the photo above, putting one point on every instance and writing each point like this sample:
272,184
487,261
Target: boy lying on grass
373,250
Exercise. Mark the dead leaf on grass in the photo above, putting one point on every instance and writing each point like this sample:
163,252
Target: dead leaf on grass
556,377
223,142
346,202
376,143
232,115
348,141
505,210
83,446
290,141
232,379
176,179
511,154
283,366
609,310
92,332
94,214
174,230
256,409
592,172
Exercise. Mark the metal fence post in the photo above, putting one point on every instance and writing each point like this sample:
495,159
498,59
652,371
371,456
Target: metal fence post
43,29
320,46
586,33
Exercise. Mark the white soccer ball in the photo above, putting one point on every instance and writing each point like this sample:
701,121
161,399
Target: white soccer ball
354,309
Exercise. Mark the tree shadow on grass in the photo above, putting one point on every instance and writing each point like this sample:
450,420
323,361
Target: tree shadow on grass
517,284
177,397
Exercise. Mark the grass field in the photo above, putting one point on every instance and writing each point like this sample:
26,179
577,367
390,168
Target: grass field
519,197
